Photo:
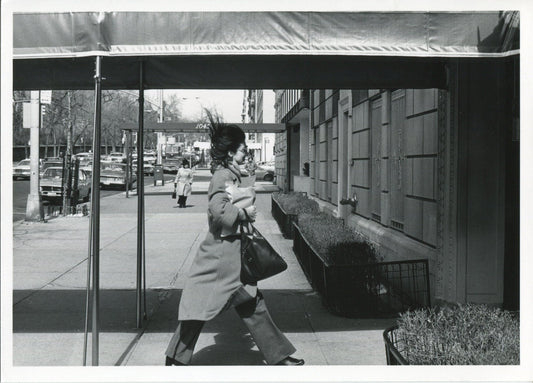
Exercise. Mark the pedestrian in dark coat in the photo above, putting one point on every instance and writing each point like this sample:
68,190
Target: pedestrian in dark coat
213,283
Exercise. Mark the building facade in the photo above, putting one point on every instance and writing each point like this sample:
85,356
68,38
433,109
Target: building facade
421,173
260,144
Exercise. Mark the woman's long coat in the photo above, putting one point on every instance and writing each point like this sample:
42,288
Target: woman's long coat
183,180
215,272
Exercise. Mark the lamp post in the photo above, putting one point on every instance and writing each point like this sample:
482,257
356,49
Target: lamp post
160,134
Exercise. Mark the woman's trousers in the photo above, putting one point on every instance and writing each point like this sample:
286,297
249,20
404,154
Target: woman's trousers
182,200
254,313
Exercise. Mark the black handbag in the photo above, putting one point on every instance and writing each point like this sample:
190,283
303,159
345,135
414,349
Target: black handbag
174,194
259,260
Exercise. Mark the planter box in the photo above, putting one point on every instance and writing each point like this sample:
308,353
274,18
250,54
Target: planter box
393,347
284,220
364,290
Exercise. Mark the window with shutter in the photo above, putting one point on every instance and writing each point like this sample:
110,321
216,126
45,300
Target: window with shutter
375,167
397,160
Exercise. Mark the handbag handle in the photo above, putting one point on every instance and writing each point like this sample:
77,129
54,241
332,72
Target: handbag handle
248,223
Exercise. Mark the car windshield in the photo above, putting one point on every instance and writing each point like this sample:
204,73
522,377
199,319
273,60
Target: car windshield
113,167
50,164
52,173
24,162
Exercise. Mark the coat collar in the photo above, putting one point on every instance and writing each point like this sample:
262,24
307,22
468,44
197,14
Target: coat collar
235,171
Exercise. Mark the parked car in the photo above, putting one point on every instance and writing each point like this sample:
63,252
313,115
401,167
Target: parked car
269,175
148,168
84,155
267,166
266,171
171,166
22,170
114,174
51,159
86,164
150,157
49,164
116,157
51,184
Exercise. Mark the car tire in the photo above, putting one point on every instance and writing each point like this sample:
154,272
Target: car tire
268,177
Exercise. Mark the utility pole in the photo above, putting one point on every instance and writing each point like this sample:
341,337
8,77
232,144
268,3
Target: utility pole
34,206
160,134
67,191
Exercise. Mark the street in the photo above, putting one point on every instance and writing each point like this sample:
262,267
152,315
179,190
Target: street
21,189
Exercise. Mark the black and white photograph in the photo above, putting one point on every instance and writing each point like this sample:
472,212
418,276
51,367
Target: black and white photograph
250,192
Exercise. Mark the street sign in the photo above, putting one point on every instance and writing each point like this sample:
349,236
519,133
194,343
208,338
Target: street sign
30,114
46,96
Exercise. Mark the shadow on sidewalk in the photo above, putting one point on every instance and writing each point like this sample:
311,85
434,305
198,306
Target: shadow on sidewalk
230,349
50,311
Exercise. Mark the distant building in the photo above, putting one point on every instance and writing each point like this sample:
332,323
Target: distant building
260,144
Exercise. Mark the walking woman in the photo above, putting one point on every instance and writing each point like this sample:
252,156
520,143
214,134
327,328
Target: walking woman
213,284
183,183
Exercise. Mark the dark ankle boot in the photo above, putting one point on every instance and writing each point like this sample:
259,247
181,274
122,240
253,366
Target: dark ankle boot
290,361
172,362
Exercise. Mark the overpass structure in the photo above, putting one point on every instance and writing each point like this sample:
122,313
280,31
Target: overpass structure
192,127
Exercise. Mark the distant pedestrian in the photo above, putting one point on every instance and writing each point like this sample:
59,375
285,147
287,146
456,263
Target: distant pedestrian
183,183
250,166
213,282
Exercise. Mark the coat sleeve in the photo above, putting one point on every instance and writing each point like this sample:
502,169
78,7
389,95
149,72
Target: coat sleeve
224,214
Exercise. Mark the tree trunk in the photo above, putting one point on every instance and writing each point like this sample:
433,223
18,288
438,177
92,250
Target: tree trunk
54,139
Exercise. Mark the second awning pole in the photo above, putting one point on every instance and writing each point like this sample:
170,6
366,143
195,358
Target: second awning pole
140,197
95,212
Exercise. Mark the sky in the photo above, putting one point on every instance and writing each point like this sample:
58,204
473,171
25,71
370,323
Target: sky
227,102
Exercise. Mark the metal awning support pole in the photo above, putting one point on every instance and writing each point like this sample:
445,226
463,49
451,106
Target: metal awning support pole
129,176
140,196
95,211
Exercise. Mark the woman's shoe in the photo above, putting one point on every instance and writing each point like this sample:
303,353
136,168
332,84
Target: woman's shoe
173,362
290,361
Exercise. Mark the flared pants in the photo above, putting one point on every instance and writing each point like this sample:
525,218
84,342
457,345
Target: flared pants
254,313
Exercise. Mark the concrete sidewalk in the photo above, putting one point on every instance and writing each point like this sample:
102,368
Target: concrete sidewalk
49,281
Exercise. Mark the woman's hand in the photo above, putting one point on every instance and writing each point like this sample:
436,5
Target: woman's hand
252,212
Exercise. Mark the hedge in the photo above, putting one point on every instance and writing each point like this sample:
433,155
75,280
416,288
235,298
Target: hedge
333,240
460,335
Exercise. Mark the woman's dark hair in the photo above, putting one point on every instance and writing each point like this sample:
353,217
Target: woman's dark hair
225,138
185,162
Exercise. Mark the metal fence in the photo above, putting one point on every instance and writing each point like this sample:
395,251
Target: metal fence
381,289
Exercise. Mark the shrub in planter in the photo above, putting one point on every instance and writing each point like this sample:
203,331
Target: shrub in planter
296,203
334,241
289,206
459,335
342,266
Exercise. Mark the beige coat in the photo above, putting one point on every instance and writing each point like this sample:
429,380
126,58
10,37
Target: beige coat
184,180
215,272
